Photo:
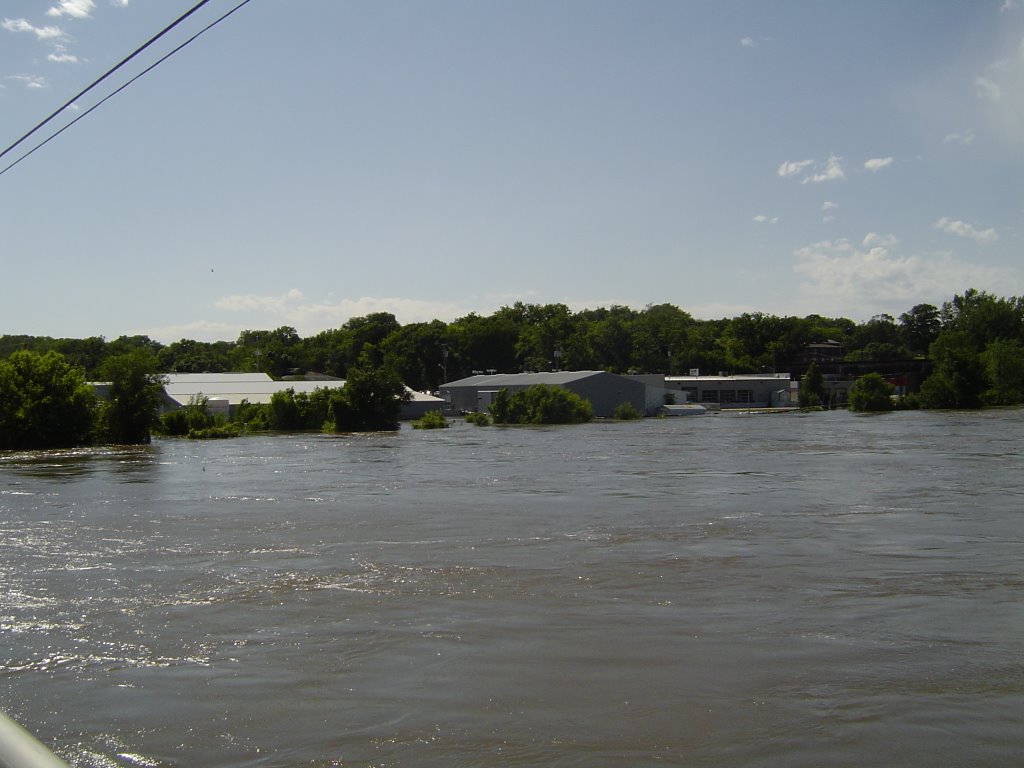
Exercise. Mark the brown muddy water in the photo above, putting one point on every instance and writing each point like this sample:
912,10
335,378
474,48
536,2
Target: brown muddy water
787,590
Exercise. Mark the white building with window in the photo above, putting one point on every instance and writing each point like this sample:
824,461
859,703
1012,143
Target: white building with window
768,390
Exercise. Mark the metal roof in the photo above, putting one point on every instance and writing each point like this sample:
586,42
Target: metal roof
254,387
523,379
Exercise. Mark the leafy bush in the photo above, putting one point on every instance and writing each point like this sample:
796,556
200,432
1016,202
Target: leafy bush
431,420
871,392
481,419
540,404
44,402
214,432
626,412
907,402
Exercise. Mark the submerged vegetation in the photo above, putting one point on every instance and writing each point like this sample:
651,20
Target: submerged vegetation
431,420
540,404
871,392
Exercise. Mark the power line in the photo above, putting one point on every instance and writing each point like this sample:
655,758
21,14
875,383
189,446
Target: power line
109,72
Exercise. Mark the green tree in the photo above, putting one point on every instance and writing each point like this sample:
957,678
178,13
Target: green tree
271,352
918,328
812,388
290,410
366,337
958,374
661,338
540,404
132,408
871,392
609,334
482,343
44,402
984,317
369,402
188,356
416,352
1004,368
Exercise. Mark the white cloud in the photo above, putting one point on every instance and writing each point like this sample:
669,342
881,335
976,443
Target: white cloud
967,137
986,89
1009,5
62,58
963,229
861,281
832,171
43,33
762,219
309,317
29,81
793,167
77,9
828,205
747,42
874,240
877,163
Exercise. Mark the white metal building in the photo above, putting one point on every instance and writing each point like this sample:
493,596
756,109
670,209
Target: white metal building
226,391
769,390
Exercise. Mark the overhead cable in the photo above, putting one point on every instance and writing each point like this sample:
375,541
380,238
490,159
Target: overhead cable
109,72
106,98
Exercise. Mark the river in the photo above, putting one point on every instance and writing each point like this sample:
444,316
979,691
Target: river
733,590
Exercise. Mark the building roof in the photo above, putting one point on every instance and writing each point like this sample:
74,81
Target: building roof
235,387
556,378
257,388
737,377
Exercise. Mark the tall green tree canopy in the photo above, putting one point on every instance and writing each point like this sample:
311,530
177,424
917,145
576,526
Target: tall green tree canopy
44,402
132,409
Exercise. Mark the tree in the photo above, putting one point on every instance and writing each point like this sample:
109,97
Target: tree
918,328
369,402
812,388
131,410
1004,368
958,374
983,317
416,352
540,404
871,393
482,343
660,338
44,402
271,352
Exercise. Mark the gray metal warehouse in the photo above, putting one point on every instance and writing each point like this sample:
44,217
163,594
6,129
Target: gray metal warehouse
604,390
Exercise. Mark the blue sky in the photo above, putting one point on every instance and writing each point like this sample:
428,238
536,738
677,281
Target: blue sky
308,161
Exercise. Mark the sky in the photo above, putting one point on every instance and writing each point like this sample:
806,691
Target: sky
308,161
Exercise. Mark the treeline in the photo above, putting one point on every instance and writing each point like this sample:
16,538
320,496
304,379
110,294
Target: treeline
532,337
46,402
973,343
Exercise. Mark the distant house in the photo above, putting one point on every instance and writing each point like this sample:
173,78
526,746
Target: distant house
226,391
603,390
